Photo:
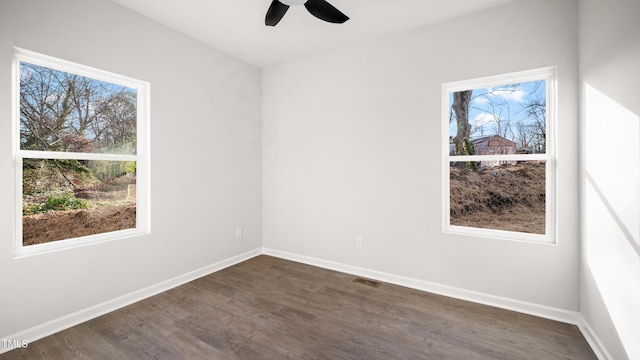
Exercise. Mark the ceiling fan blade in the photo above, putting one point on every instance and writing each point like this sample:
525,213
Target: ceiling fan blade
275,13
325,11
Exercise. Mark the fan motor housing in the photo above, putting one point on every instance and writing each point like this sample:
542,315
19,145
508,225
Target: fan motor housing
293,2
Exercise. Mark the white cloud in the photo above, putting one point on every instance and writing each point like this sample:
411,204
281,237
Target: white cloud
513,94
481,100
483,119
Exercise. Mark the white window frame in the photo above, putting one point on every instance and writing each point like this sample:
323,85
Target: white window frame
142,156
548,74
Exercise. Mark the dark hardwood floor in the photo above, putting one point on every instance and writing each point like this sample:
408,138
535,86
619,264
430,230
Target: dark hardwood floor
269,308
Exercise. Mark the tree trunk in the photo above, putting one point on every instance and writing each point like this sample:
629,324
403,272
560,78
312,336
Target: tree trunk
461,109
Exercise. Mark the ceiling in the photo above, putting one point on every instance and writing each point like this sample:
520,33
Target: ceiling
237,27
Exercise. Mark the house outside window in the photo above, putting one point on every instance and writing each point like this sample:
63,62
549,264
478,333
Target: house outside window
499,156
81,154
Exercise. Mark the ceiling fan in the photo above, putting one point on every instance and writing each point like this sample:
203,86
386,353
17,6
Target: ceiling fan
318,8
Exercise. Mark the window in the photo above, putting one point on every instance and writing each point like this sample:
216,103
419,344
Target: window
498,151
81,154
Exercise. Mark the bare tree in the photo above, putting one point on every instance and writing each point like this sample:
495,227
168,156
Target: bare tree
460,108
60,111
115,125
536,111
497,107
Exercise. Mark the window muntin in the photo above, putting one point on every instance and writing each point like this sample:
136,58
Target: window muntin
81,152
498,174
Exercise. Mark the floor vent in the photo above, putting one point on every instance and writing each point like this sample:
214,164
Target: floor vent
367,282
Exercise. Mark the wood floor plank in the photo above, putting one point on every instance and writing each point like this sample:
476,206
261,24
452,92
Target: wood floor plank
270,308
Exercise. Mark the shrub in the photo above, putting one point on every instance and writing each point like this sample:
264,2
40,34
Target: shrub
58,201
64,201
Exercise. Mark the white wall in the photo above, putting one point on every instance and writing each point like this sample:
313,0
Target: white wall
351,146
610,173
205,158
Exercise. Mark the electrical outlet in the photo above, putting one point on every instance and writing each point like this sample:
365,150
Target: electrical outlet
358,241
238,232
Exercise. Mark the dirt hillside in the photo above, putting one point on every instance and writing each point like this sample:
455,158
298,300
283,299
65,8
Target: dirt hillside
508,197
60,225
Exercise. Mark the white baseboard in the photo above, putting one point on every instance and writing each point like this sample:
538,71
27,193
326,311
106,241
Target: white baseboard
566,316
594,341
78,317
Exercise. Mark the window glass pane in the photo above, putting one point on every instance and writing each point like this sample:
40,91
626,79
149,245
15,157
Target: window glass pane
506,119
60,111
64,199
508,197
